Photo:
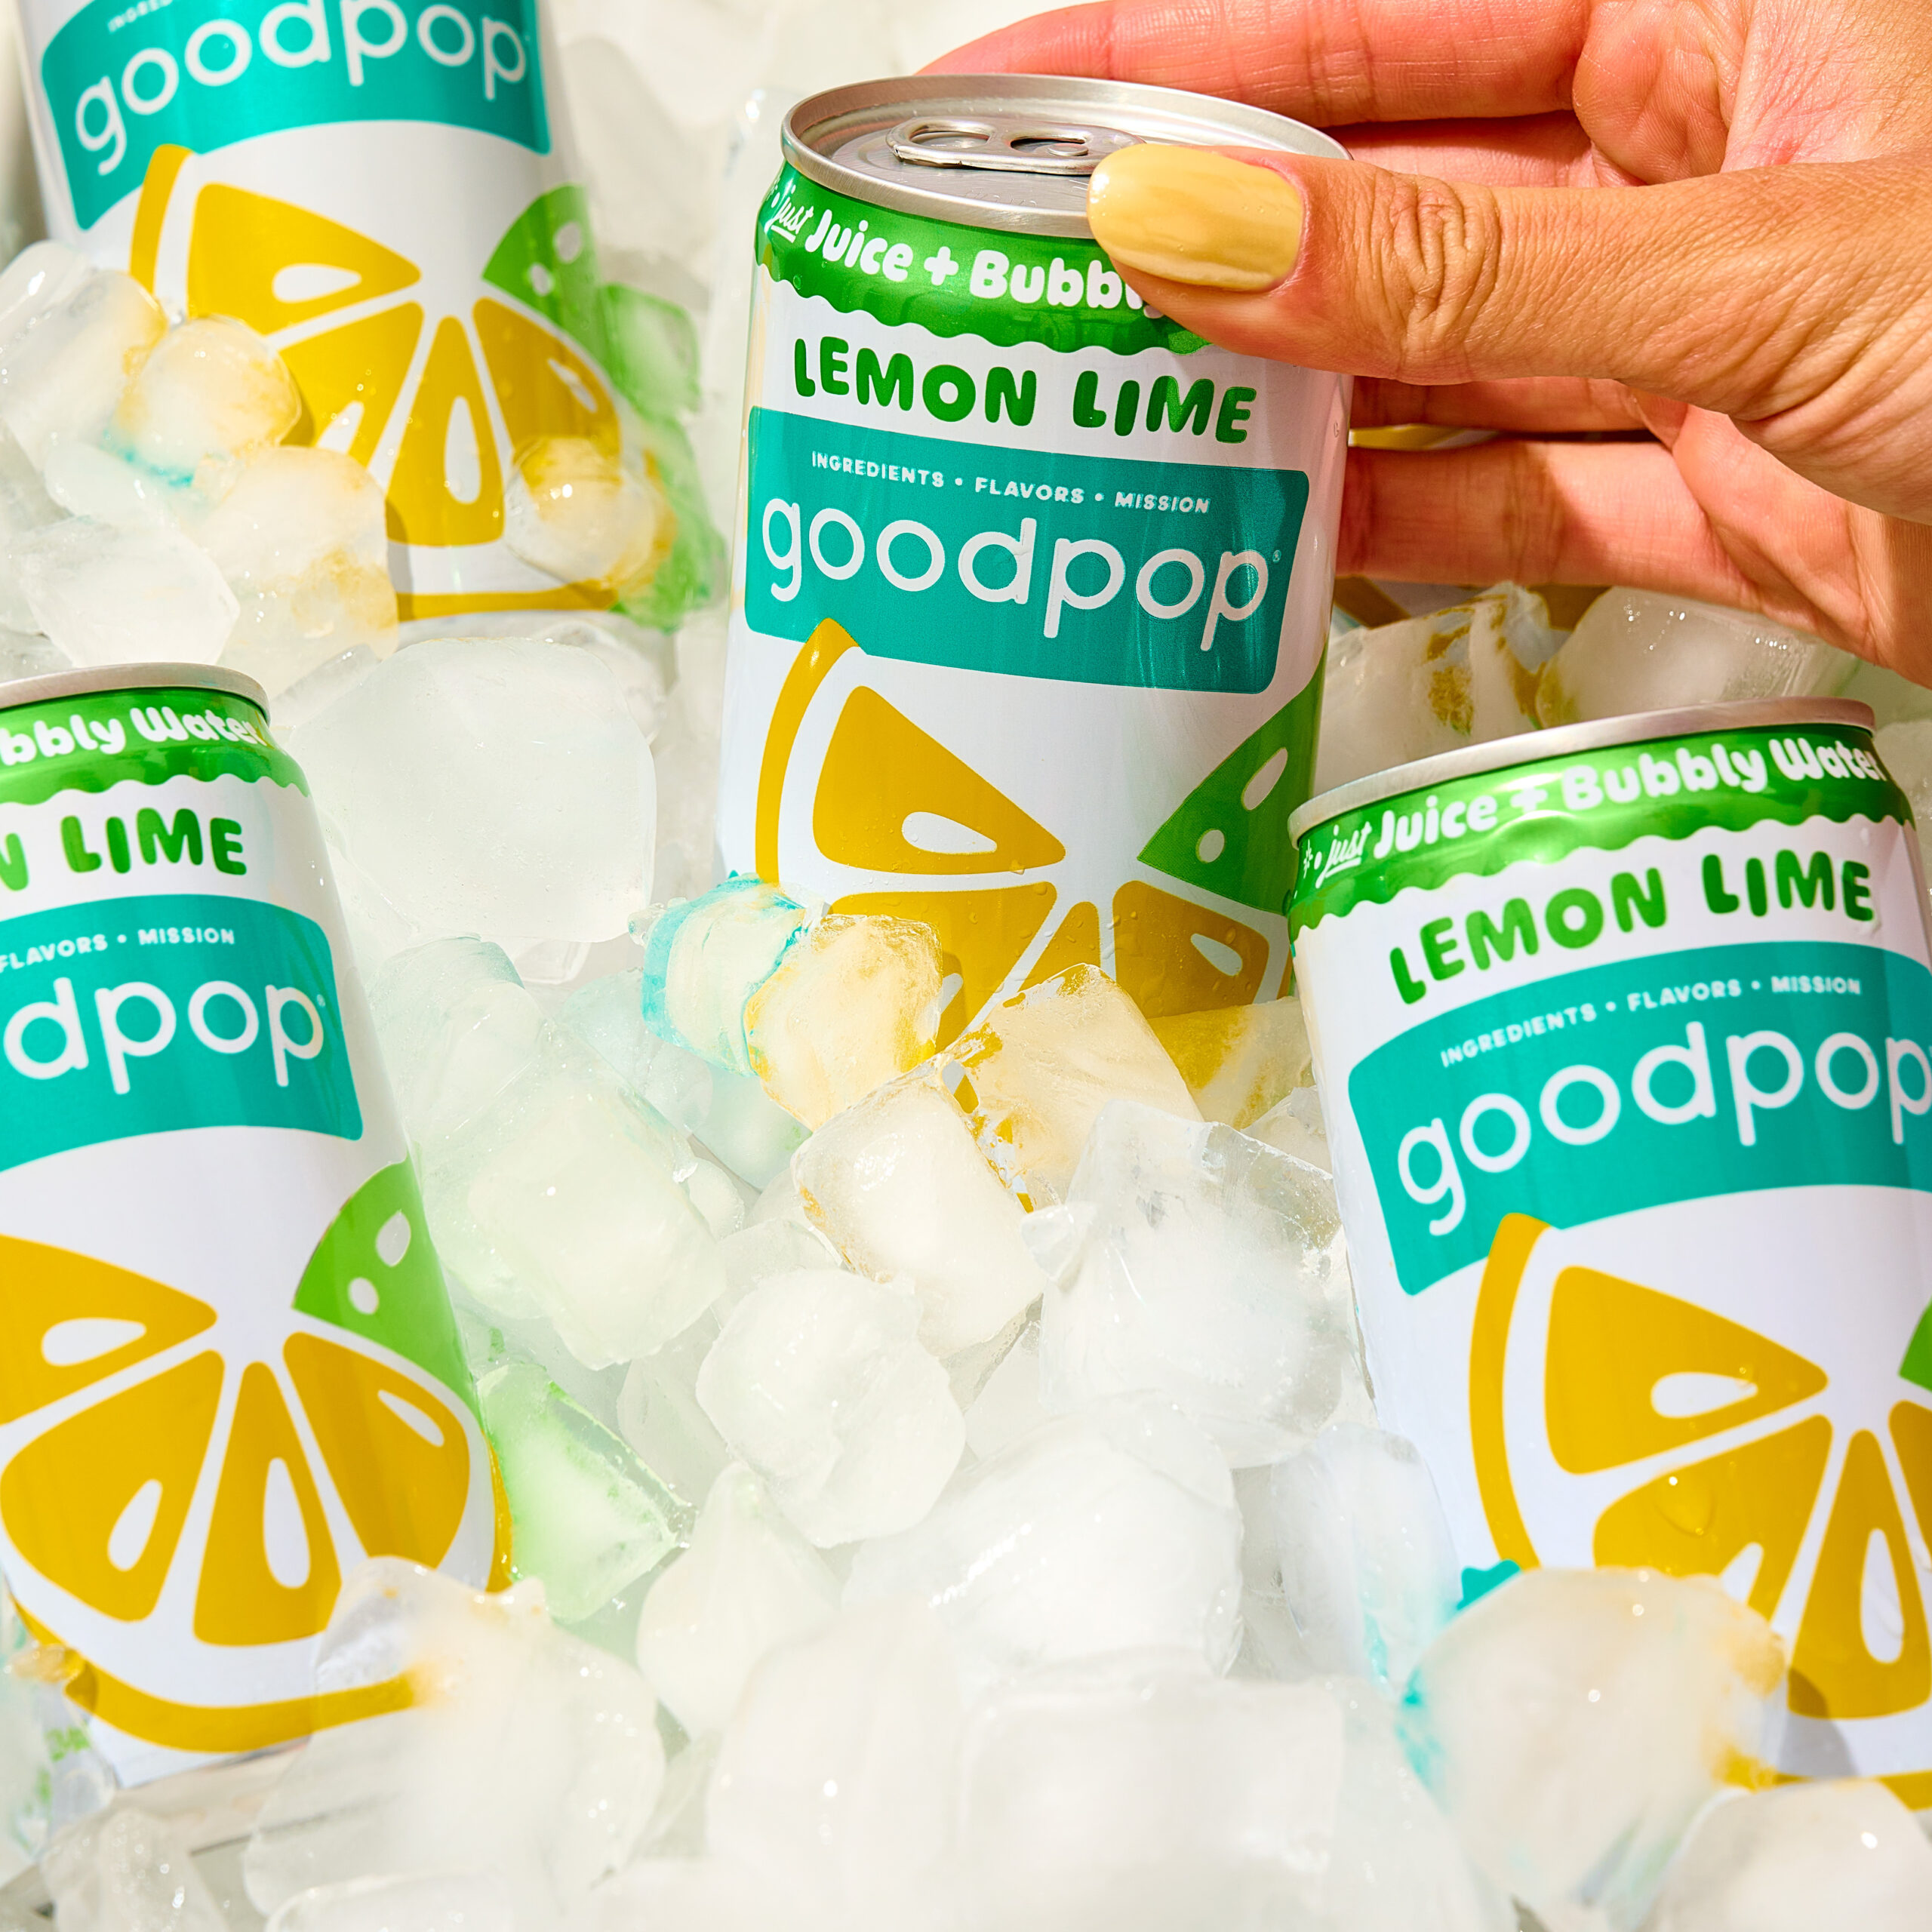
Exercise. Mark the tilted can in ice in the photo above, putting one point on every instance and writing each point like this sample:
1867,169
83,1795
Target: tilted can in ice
1033,584
386,190
229,1369
1624,1037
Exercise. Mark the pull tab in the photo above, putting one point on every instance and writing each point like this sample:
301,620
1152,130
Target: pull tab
1007,144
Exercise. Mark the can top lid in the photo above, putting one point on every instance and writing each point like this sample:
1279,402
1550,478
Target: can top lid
1008,151
19,691
1568,741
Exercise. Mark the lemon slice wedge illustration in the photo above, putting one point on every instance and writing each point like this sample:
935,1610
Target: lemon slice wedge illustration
853,786
439,398
1692,1441
182,1491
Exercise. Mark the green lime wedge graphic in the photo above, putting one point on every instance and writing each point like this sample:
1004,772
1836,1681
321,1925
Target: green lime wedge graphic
1917,1366
546,261
375,1273
1230,834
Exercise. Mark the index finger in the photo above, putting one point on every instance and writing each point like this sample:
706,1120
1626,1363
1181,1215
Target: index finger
1326,62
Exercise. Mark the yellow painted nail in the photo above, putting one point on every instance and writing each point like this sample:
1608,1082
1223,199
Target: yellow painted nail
1192,215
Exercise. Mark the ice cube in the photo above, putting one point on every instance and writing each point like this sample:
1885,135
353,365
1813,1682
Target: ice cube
852,1001
301,541
124,1871
836,1774
659,1414
211,392
1239,1061
1571,1723
588,1518
569,1188
550,1189
716,1196
1113,1530
430,1902
1459,676
1041,1067
749,1581
86,480
606,1015
573,510
112,594
64,376
705,958
686,748
1395,1865
1295,1126
494,787
26,655
1643,650
695,1895
1142,1793
1367,1566
40,278
1839,1852
819,1381
524,1753
1008,1403
1193,1261
748,1130
898,1184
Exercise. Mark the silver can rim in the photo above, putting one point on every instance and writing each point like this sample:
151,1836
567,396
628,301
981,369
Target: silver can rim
1566,741
57,685
1245,126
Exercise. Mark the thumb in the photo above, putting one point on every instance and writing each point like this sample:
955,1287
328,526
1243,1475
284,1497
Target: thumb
1750,294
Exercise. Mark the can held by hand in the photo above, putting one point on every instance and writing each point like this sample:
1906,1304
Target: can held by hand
386,190
1623,1032
1032,584
228,1367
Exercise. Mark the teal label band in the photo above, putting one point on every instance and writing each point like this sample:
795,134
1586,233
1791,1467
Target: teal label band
1035,563
148,1015
1717,1070
122,81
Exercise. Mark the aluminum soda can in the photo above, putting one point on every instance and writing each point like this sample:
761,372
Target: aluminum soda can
388,192
228,1367
1623,1032
1033,584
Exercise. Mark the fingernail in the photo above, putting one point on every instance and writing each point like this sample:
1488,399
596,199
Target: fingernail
1193,215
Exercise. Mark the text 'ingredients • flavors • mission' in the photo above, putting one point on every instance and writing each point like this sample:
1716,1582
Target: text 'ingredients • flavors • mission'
387,191
1624,1035
1034,584
229,1369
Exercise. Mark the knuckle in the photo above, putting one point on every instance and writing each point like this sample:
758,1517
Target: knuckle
1436,250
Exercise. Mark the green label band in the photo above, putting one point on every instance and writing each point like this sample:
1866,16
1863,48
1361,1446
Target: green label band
1541,810
122,81
86,744
953,279
1719,1070
147,1015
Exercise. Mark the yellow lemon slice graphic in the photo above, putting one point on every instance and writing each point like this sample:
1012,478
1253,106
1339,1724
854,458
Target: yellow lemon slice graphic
181,1493
440,392
1678,1436
852,785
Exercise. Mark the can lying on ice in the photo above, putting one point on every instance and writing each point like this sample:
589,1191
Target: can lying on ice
1624,1037
1033,585
386,190
229,1369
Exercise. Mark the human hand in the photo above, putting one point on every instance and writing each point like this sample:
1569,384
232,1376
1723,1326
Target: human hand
1707,225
